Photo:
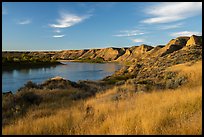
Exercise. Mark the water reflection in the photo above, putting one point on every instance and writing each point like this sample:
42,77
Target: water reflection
110,67
13,80
24,70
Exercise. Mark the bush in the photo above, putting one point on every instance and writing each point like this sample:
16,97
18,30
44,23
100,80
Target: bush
89,60
118,79
30,84
16,106
145,82
174,83
29,98
169,75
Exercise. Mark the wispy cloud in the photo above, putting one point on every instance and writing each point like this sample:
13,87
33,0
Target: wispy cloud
67,20
172,11
58,36
129,33
172,26
185,33
24,22
138,40
57,31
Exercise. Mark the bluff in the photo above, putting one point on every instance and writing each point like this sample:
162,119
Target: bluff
150,69
129,55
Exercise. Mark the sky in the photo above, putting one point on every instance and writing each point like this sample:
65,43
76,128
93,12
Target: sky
34,26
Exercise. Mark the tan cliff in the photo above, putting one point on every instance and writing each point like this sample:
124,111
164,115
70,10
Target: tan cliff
91,53
194,40
177,50
122,55
173,45
70,54
134,53
109,54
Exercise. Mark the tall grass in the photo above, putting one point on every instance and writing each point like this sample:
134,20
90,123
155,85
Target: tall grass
192,71
176,111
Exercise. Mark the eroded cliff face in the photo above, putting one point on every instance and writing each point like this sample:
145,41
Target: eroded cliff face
109,54
172,46
146,58
91,53
150,70
69,54
123,55
194,40
134,53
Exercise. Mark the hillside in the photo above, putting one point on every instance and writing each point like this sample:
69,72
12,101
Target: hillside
148,70
131,54
158,91
119,110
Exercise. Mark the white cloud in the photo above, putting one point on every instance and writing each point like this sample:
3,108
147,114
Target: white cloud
185,33
24,22
129,33
68,20
57,31
172,11
172,26
58,36
138,40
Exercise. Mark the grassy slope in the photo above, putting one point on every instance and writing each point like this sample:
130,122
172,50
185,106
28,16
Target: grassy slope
176,111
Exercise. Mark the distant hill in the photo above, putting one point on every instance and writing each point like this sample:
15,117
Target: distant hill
131,54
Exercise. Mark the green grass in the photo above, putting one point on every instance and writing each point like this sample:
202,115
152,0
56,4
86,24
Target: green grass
115,79
88,60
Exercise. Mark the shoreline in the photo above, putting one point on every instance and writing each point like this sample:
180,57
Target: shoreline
16,65
85,61
68,60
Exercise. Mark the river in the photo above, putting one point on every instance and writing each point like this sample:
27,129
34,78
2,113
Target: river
74,71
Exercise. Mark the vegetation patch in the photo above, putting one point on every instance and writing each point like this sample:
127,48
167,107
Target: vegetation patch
115,79
89,60
26,61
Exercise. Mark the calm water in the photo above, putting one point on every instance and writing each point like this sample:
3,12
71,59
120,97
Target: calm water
74,71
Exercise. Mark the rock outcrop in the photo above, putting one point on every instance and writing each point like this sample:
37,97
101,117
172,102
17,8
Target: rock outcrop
109,54
194,40
173,45
91,53
150,71
69,54
134,53
122,55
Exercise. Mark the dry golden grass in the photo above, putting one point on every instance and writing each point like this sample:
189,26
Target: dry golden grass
176,111
192,71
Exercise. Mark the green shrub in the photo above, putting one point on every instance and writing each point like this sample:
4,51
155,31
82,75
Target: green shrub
30,84
28,98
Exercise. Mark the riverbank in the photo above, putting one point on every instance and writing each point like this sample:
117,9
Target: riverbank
88,60
73,71
23,65
87,109
77,60
27,61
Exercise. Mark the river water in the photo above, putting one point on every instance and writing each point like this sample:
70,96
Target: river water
74,71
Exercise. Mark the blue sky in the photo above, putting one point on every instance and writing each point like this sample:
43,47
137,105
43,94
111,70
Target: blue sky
78,25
